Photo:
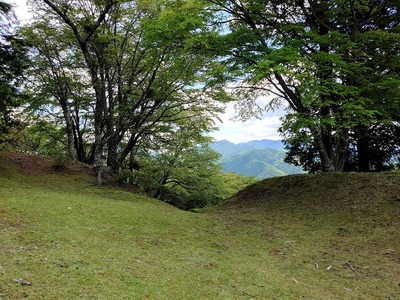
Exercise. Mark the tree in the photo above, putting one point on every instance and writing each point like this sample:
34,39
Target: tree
325,59
13,62
5,7
178,166
375,149
85,32
56,83
139,59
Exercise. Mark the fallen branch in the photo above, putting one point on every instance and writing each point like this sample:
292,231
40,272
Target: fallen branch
22,281
347,264
245,293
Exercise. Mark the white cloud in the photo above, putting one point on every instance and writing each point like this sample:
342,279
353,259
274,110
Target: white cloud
21,10
253,129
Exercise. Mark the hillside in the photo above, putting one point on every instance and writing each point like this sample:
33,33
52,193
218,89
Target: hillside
261,159
260,163
351,192
329,237
338,232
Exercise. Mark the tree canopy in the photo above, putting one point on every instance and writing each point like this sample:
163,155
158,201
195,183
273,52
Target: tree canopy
13,61
334,63
119,70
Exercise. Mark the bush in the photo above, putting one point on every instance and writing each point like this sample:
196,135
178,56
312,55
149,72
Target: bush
60,163
126,176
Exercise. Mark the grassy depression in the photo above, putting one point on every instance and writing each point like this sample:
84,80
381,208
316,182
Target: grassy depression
297,237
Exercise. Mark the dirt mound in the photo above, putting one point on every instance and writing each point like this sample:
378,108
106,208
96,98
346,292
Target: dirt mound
35,165
30,164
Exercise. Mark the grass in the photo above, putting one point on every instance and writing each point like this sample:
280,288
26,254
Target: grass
295,237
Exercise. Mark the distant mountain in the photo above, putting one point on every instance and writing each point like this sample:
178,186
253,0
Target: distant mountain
264,144
262,159
226,148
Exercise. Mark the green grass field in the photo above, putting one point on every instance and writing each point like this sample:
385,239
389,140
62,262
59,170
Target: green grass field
296,237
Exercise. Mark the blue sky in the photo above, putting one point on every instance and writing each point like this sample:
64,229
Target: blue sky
234,131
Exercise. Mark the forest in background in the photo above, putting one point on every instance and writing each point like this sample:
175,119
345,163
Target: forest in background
137,85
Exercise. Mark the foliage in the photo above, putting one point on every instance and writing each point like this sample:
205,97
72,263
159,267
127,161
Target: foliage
334,63
41,138
377,148
60,162
231,183
118,71
60,93
13,62
302,150
186,180
177,166
371,149
127,176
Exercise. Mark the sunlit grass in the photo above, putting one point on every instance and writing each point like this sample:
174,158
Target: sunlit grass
72,240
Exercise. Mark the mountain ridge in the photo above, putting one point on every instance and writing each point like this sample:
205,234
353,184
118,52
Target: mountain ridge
259,158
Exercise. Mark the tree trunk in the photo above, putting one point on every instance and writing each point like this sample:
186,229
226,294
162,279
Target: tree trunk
363,149
332,159
112,128
112,153
341,151
72,154
132,142
326,161
98,127
79,144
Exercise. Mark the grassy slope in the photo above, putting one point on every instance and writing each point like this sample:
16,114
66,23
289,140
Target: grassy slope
275,240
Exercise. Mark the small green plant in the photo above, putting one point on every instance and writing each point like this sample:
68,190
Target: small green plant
60,163
126,176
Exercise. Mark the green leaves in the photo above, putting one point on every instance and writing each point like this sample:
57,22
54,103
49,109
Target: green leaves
331,61
13,63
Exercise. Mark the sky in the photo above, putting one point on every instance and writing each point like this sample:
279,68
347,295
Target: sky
21,10
235,131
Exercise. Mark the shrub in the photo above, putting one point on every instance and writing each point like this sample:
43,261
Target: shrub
60,163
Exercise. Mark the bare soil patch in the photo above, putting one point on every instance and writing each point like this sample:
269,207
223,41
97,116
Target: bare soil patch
31,164
35,165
